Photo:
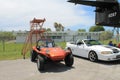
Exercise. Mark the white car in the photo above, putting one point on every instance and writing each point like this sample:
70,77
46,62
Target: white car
94,50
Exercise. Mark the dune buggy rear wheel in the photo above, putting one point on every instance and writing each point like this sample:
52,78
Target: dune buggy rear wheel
69,60
40,63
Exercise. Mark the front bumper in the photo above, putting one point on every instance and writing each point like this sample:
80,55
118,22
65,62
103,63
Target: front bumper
109,57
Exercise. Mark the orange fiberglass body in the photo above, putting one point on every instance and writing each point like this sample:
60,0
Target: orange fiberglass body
55,54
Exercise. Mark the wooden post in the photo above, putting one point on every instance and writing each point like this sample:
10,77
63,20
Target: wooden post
3,43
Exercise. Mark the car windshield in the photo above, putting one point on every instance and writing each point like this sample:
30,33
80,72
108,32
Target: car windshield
41,43
92,42
46,43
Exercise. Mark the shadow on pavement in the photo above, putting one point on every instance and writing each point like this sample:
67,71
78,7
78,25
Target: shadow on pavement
56,67
116,62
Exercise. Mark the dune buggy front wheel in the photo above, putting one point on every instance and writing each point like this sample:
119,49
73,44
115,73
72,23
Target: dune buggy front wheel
33,56
40,63
69,60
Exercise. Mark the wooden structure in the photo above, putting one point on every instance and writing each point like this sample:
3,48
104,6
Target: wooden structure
36,30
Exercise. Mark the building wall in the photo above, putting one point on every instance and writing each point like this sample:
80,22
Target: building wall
61,36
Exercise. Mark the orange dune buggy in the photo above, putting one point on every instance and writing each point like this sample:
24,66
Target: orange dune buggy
45,51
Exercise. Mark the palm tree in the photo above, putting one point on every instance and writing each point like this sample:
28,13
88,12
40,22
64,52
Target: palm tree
56,26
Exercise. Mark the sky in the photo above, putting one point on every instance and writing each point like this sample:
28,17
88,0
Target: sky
17,14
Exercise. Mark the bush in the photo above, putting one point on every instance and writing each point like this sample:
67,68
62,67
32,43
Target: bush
106,35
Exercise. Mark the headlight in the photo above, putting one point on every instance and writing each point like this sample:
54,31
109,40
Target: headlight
106,52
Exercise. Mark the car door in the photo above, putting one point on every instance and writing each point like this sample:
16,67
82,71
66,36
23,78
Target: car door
81,50
74,48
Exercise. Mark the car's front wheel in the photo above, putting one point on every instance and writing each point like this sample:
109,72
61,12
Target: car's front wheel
33,56
40,63
69,60
93,56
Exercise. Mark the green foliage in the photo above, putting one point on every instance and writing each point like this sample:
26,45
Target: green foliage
48,30
58,26
106,35
81,30
96,28
61,44
107,41
12,51
6,36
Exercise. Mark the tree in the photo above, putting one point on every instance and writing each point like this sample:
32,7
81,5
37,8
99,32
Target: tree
48,30
105,35
81,30
4,36
58,26
61,27
96,28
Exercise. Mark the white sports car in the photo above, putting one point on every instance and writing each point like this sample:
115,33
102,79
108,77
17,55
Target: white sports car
94,50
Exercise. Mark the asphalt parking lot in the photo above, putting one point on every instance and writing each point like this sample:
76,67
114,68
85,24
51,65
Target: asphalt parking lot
82,69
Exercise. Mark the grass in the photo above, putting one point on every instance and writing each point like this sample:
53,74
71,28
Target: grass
13,50
61,44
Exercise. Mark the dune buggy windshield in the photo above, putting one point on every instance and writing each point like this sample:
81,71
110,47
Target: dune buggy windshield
92,42
45,43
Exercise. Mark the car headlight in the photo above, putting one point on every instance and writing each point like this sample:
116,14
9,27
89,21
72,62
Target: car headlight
106,52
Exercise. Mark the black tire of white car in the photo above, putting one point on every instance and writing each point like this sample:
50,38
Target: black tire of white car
33,56
69,60
40,63
93,56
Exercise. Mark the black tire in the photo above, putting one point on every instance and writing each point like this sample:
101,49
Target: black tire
93,56
33,56
40,63
69,60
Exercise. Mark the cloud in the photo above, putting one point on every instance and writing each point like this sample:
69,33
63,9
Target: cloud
16,14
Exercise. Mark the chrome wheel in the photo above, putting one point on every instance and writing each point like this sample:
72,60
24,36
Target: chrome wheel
93,56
